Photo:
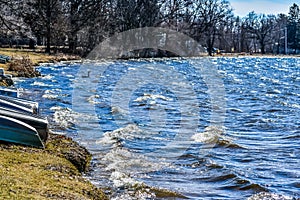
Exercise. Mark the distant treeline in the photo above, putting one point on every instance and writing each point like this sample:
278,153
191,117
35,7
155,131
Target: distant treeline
77,26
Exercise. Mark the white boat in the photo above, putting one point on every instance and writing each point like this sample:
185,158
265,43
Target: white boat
19,104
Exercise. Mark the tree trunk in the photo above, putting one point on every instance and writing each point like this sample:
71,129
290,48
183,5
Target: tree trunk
72,42
210,43
48,32
48,39
262,47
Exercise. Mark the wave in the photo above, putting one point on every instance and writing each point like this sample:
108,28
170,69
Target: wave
129,132
41,84
92,99
270,196
211,134
65,118
146,97
50,96
228,144
125,168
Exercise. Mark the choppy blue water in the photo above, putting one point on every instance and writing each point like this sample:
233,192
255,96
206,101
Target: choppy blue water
129,113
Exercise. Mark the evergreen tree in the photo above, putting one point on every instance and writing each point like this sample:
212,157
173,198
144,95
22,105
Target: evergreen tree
293,27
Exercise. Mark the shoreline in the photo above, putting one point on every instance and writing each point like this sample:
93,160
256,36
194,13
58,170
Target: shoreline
24,61
56,171
53,172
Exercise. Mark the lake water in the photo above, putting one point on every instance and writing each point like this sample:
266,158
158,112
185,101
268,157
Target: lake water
227,132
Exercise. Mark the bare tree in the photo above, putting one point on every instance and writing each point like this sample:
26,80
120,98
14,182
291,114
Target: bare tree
261,26
209,15
81,14
41,15
12,24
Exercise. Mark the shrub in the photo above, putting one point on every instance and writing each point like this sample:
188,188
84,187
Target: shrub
23,67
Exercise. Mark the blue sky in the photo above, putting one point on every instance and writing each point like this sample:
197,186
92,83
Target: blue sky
243,7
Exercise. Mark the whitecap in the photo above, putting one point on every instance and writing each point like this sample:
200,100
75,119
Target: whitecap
130,164
66,117
50,96
118,110
41,84
146,97
276,91
268,196
209,135
47,77
92,100
131,131
120,179
69,76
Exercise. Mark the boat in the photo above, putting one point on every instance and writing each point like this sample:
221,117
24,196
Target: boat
15,131
4,57
3,61
19,104
37,122
9,92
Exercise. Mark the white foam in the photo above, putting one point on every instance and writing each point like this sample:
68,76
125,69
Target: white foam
66,117
130,163
50,96
268,196
47,77
131,131
41,84
92,99
120,179
146,97
118,110
209,135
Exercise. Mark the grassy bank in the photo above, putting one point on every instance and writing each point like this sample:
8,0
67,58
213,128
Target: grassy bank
55,172
36,57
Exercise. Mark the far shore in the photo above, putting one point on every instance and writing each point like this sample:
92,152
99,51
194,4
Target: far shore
38,56
257,55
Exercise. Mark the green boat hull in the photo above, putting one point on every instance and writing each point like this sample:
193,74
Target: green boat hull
39,124
15,131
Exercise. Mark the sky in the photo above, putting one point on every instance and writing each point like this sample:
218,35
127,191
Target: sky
243,7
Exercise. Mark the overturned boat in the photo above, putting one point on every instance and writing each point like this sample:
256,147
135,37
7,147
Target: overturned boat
19,104
35,121
15,131
9,92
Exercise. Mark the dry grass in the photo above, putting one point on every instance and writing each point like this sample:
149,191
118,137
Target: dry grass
35,57
29,173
